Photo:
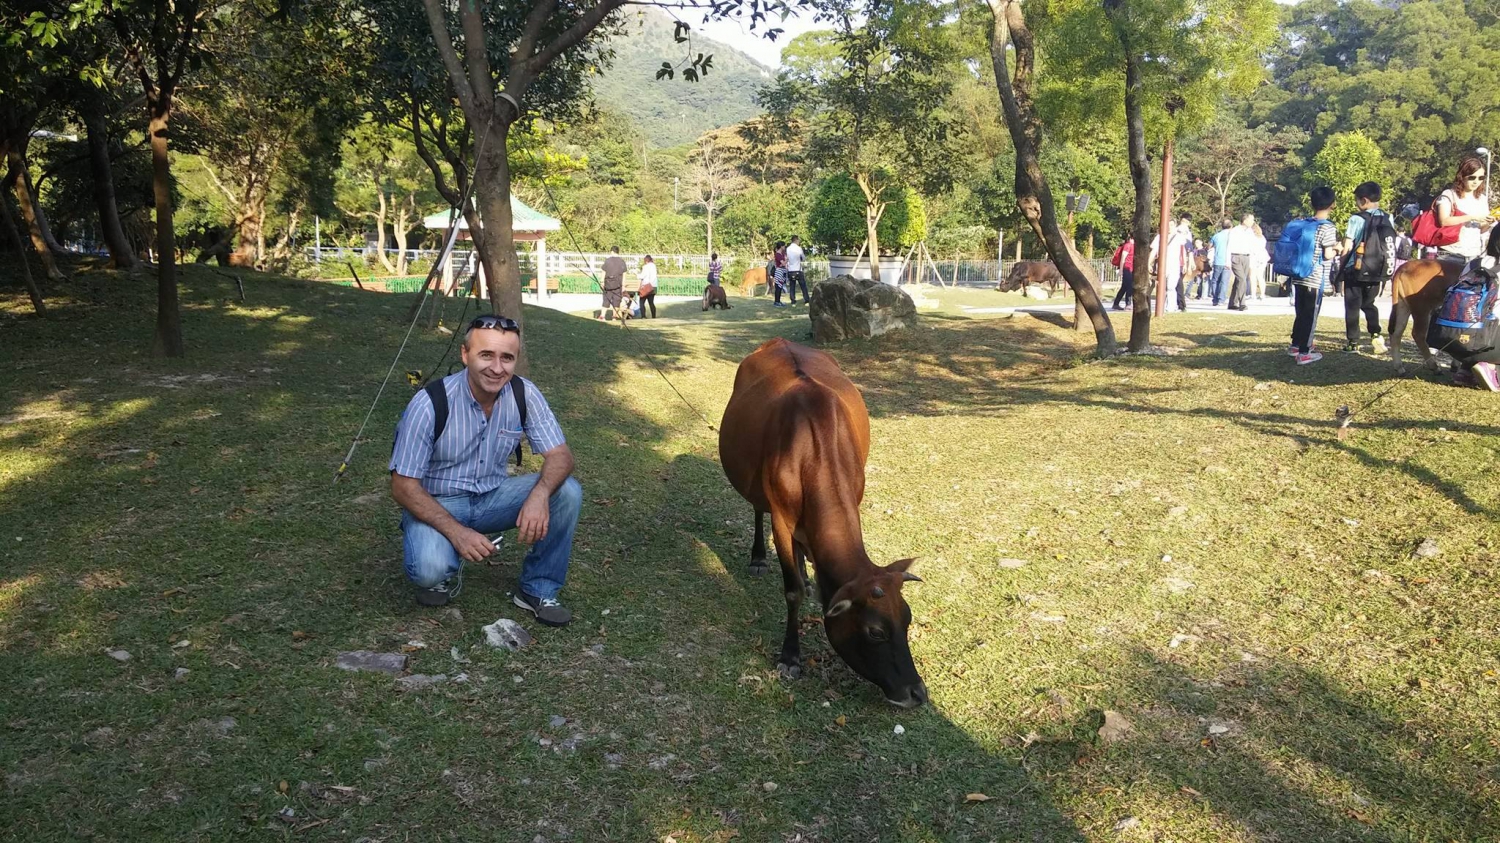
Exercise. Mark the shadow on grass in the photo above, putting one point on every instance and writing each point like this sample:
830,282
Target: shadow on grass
1273,750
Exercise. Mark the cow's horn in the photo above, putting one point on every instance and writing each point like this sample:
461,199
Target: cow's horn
908,576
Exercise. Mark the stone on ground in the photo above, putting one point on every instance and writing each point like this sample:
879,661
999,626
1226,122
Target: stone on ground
508,634
845,307
392,663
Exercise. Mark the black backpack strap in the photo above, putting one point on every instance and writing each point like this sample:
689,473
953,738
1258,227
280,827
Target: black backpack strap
439,394
518,391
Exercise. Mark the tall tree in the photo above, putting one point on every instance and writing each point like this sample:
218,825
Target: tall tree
161,42
1009,31
1228,156
871,92
1346,160
713,179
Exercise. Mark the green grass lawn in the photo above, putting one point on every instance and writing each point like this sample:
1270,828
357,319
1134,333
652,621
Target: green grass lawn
1195,549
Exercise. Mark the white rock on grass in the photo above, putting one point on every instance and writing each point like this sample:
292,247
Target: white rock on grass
120,656
506,633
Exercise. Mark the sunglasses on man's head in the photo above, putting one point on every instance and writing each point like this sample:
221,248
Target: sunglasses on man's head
495,323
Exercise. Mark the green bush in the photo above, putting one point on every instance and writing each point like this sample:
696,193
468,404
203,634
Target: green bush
836,221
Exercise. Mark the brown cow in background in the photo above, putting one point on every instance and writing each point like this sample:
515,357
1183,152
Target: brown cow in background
793,442
1025,274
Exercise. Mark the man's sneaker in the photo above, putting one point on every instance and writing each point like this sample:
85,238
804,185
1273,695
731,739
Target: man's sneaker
548,611
1377,344
1487,375
443,593
1350,348
1310,357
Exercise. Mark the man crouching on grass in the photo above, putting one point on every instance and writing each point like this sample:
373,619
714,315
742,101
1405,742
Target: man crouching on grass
450,471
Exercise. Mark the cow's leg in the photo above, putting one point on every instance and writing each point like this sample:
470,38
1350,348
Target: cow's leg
1400,315
758,547
1421,320
790,663
801,554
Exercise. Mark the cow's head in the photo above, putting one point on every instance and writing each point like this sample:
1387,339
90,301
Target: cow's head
866,622
1016,280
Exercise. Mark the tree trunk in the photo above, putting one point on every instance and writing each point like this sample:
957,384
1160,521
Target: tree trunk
19,183
872,239
710,207
380,234
497,249
168,338
15,235
399,230
1033,196
92,112
1140,177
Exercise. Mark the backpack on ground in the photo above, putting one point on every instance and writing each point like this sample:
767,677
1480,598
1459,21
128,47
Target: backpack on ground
439,397
1372,261
1468,303
1296,250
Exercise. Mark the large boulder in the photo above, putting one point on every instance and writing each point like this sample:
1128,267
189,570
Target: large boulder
845,307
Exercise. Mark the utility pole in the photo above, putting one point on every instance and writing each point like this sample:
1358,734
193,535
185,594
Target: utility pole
1166,213
674,194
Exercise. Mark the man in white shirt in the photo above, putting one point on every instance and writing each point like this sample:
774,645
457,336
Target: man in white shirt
1242,244
794,275
1179,249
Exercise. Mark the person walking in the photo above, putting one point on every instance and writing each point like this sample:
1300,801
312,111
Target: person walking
1308,290
614,282
1369,249
647,294
1124,260
1218,245
1260,258
1179,253
1241,246
794,274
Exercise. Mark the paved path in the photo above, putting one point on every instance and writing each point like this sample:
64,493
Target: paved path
1333,308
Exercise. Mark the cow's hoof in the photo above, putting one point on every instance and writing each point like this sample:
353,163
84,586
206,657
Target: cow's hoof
789,671
758,568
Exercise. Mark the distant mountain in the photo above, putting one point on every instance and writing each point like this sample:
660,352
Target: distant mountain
675,111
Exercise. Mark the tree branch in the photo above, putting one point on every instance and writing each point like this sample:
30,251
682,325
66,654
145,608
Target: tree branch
438,22
585,24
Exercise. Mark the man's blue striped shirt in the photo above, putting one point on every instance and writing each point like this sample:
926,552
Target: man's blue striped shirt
473,454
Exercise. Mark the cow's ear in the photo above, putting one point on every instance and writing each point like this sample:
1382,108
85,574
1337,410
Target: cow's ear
838,608
901,565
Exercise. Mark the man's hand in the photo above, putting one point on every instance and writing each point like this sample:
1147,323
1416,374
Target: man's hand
471,544
536,512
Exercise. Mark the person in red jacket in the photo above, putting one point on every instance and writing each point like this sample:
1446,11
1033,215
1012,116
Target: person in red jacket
1124,260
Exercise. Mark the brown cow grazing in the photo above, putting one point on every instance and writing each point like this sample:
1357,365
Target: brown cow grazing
714,296
793,443
1417,291
1025,274
751,280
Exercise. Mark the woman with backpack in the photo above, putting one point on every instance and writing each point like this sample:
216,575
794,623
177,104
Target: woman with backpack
648,287
1465,203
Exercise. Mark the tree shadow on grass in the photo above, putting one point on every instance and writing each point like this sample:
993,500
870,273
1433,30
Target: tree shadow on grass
1276,750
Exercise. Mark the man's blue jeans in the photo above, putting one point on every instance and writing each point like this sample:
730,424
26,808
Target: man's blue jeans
431,559
1216,282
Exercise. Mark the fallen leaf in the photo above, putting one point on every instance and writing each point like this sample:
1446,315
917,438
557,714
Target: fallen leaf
1189,791
840,720
976,797
299,635
283,786
175,590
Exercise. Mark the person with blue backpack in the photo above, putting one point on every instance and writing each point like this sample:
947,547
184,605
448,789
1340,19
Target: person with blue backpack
1304,254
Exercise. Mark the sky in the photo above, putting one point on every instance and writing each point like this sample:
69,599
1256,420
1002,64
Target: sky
738,35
